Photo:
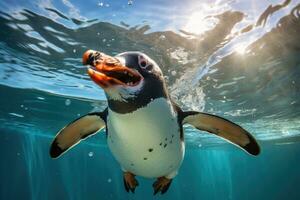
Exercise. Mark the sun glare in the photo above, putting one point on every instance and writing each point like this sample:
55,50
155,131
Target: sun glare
197,23
241,48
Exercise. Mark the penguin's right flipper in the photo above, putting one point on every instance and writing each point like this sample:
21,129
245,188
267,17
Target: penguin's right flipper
77,130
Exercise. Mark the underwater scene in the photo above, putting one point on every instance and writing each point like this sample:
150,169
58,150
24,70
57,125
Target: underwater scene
236,59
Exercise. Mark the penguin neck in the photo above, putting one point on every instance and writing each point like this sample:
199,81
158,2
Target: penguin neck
147,94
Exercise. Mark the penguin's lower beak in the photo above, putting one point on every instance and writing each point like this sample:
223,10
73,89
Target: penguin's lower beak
108,71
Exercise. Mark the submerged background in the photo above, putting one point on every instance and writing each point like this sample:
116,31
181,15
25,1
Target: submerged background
238,59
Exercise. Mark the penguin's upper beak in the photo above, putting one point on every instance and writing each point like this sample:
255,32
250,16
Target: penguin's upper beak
108,71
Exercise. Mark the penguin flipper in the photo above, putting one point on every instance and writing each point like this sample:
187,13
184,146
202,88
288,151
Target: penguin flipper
222,128
77,130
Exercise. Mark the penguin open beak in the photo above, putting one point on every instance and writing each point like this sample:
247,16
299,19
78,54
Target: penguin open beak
108,71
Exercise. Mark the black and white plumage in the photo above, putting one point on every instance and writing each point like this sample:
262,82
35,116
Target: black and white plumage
144,127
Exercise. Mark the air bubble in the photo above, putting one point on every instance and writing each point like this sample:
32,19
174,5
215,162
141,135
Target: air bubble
162,37
91,154
68,102
109,180
81,86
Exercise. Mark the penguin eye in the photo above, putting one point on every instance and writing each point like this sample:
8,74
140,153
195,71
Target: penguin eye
143,62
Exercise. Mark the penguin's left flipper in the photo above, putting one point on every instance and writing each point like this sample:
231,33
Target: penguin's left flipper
222,128
77,130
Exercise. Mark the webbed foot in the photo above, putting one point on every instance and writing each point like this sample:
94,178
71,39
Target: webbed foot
130,183
162,185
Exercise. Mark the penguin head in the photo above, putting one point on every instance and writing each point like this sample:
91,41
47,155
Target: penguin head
129,78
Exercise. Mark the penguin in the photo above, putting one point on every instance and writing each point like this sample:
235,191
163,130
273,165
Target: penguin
144,126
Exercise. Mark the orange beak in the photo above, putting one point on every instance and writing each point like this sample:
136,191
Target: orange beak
108,71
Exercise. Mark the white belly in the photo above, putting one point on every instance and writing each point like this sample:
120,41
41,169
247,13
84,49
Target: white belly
147,141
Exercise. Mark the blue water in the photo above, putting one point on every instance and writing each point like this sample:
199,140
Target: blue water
237,59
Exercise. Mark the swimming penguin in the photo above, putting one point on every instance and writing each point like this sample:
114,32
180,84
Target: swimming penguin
144,126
